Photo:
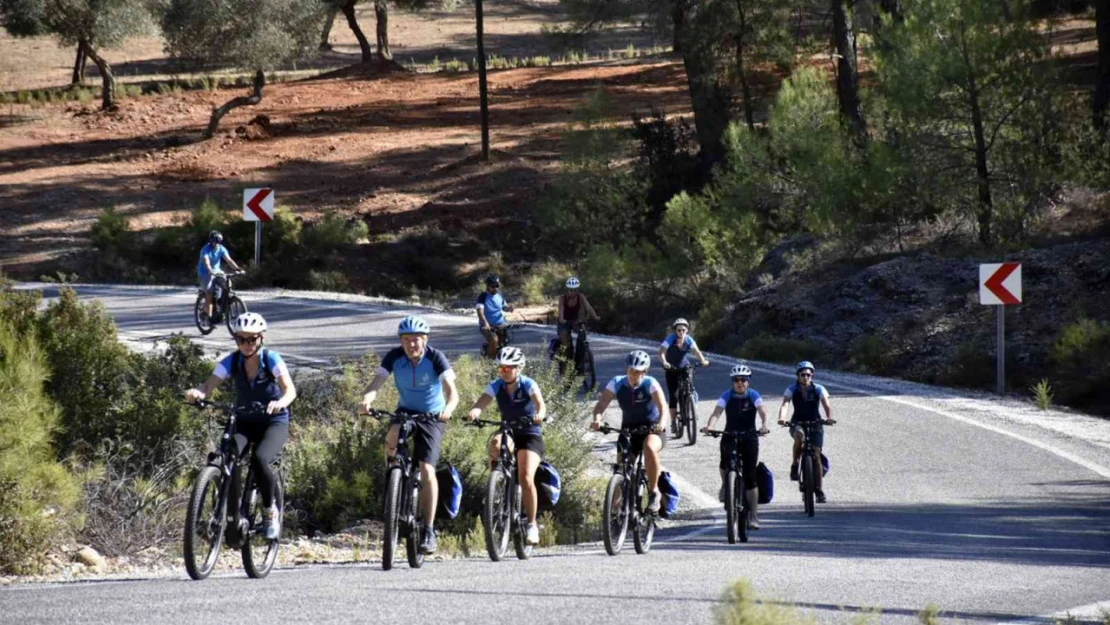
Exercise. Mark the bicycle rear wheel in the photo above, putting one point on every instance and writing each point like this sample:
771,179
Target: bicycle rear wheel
807,483
416,529
204,524
730,508
520,544
235,307
200,308
677,419
259,554
614,515
495,516
389,517
645,522
589,380
691,420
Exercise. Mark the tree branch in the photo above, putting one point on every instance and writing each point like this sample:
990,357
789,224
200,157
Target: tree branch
249,100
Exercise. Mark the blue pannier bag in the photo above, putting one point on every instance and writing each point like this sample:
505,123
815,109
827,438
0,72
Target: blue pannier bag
667,488
548,484
450,490
553,347
765,480
824,465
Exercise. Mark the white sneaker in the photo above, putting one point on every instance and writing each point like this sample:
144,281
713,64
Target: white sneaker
271,523
532,535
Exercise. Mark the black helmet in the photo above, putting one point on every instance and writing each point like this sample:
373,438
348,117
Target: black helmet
493,280
215,237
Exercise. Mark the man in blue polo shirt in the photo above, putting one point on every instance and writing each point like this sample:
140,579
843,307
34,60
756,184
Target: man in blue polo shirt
491,308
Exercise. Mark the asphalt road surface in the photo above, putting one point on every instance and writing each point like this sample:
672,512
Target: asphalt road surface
989,519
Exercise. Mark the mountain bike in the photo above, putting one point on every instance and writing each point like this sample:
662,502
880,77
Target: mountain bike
626,496
809,463
226,305
213,517
501,516
582,356
687,413
736,504
504,335
402,516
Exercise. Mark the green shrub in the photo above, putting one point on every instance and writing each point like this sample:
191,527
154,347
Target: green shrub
331,281
1080,369
870,354
112,232
545,281
972,366
741,606
781,350
1042,394
333,231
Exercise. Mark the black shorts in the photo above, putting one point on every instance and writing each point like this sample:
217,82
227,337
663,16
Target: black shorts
530,442
427,439
637,442
749,457
817,434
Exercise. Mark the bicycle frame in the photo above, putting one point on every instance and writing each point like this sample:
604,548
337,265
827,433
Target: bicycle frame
635,476
229,462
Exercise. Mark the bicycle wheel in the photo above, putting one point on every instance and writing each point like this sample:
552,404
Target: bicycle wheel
201,308
259,554
495,516
807,483
235,307
523,549
742,509
614,515
416,531
589,380
691,420
390,517
645,522
204,524
676,420
730,508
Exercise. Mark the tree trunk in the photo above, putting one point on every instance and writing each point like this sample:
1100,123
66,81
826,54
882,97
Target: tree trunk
741,68
847,77
79,67
483,92
1101,98
248,100
678,20
897,14
712,102
108,91
985,212
381,12
333,10
352,21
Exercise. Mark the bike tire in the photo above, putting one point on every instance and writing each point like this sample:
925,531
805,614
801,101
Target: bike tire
390,517
235,307
730,508
520,544
494,515
691,421
644,531
416,531
589,374
206,488
807,483
258,565
742,513
614,515
201,306
676,421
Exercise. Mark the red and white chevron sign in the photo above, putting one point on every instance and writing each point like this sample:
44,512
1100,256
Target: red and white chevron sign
1000,284
258,204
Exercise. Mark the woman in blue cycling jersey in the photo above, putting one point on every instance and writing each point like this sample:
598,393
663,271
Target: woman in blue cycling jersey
260,375
520,401
674,352
740,404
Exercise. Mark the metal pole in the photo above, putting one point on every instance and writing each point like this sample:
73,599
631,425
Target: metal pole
483,92
257,242
1001,351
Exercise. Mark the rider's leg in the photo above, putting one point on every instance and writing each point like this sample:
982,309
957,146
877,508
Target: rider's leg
818,469
672,388
799,436
266,451
494,344
429,493
495,449
527,461
652,445
391,441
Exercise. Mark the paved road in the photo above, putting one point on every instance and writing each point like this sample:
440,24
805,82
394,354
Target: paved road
988,519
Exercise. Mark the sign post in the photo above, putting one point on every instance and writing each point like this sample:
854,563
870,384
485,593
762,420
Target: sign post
258,206
1000,285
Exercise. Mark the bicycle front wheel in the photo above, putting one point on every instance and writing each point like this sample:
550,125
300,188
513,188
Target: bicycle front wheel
495,516
235,307
730,508
645,521
259,554
614,515
204,524
389,517
200,312
807,483
416,531
691,419
520,544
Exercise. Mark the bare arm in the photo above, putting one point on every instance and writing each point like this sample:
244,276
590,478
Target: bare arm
782,409
288,394
562,312
476,410
541,405
452,395
697,352
717,410
371,393
234,265
212,383
482,317
763,418
828,408
602,404
589,309
661,406
663,357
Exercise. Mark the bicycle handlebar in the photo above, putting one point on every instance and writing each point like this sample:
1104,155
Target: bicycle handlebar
605,428
228,408
727,435
398,417
809,423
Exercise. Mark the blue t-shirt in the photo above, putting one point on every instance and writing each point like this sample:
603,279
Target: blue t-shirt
518,408
214,254
677,353
494,305
807,401
264,388
420,387
637,405
740,409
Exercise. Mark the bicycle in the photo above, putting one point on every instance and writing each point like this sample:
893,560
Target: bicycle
402,516
502,517
218,485
582,356
687,417
809,461
504,335
736,504
626,496
226,305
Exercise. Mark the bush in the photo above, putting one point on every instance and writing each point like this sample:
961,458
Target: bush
333,231
870,354
545,281
741,606
334,281
781,350
112,232
1080,370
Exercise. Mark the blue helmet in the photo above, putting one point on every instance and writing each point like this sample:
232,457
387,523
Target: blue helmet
805,364
413,325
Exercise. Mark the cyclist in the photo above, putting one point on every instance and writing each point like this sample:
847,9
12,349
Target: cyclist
208,267
425,384
808,397
641,402
492,307
740,405
520,401
574,308
260,375
674,352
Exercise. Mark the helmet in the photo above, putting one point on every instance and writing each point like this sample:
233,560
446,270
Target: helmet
638,360
510,357
251,323
739,370
493,280
413,325
215,237
573,283
680,322
802,366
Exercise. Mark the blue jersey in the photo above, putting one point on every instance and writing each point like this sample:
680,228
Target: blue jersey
518,407
494,306
263,389
677,352
740,409
807,401
420,387
637,405
214,254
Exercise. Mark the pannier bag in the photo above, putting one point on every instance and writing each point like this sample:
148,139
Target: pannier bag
765,480
548,484
667,488
450,490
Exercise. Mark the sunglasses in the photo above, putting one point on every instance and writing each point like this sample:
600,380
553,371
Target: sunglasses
248,340
505,368
805,375
740,379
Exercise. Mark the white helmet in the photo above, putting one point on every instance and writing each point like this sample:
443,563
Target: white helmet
251,323
680,322
510,357
573,283
638,360
740,370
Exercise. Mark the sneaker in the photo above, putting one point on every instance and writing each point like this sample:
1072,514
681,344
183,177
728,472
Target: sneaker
271,523
794,472
721,495
820,496
653,502
532,535
428,543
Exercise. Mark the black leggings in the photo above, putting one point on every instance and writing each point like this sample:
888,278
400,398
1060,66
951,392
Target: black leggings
674,374
268,439
749,456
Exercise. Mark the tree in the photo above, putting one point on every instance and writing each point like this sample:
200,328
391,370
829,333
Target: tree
88,24
254,35
847,76
1101,96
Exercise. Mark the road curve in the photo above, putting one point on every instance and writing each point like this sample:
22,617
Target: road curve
985,513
